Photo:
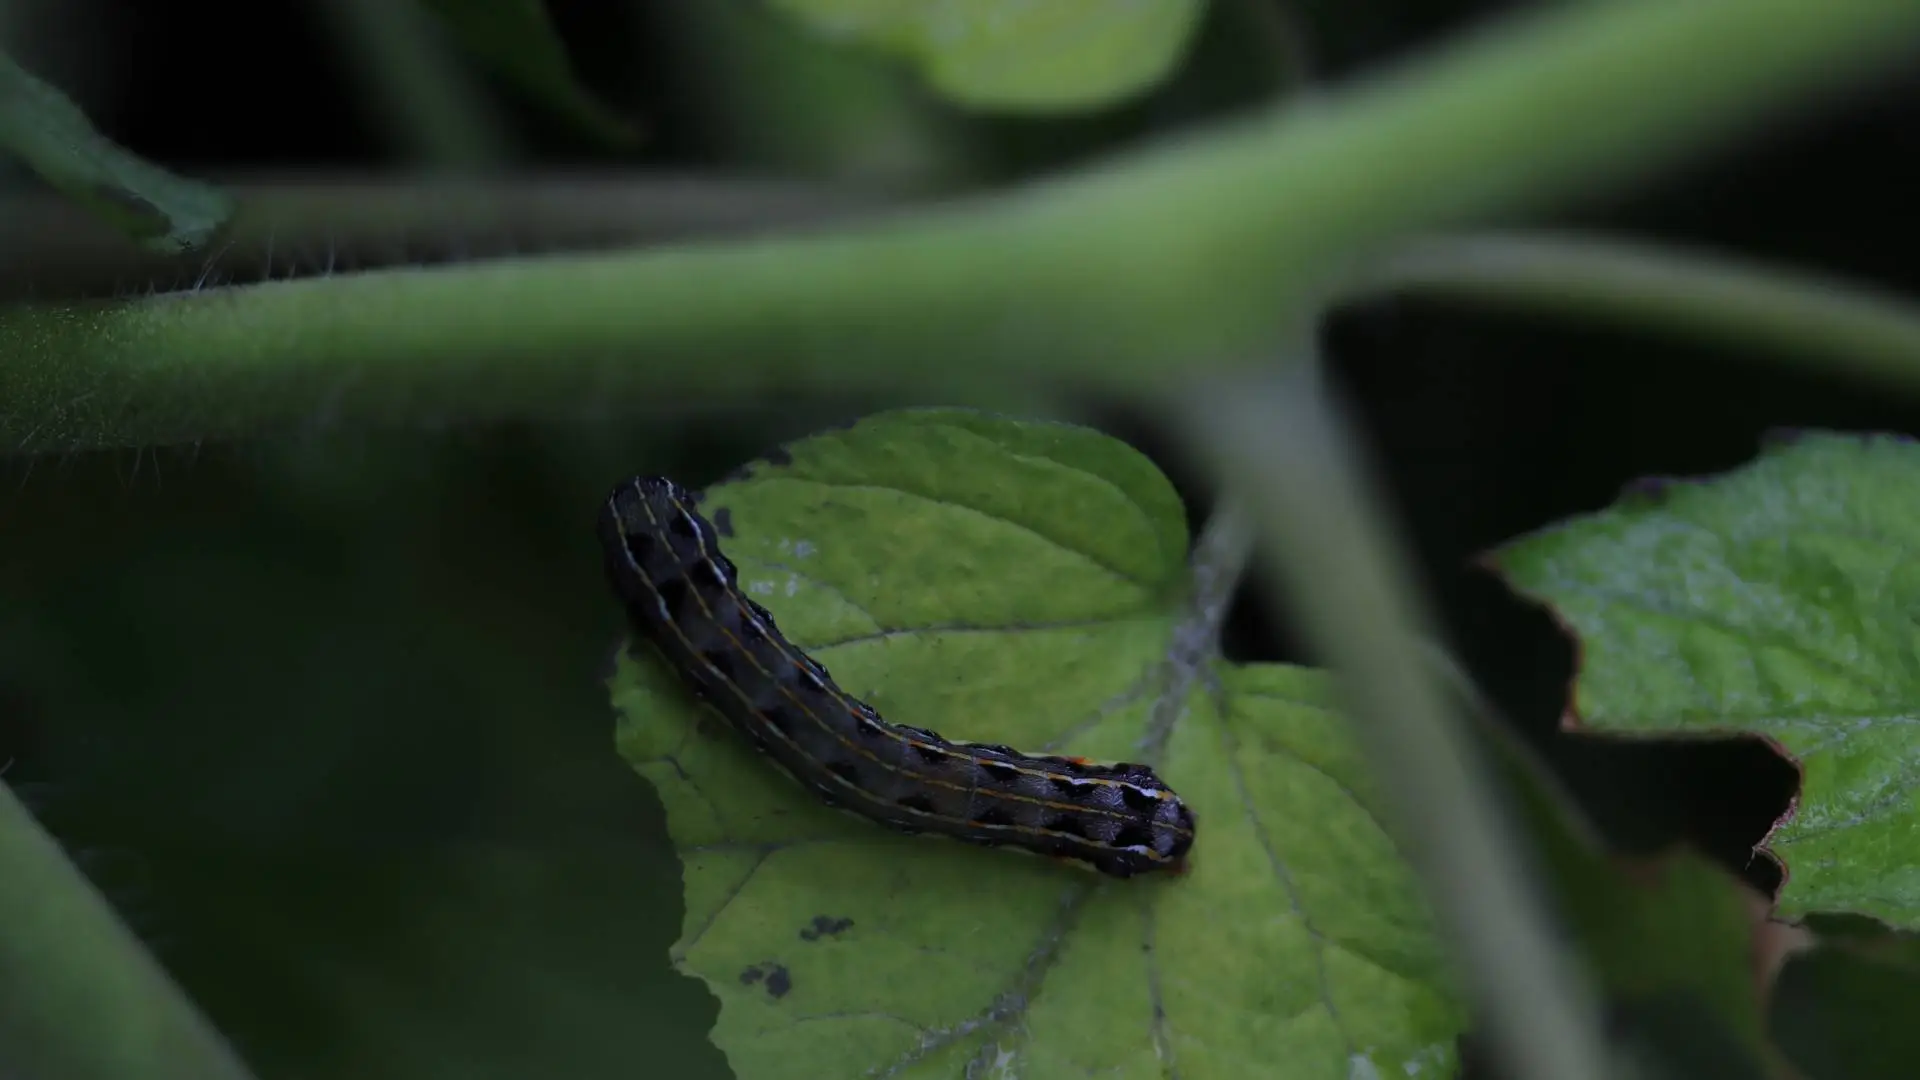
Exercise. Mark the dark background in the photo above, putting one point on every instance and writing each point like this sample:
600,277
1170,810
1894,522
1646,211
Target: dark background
323,714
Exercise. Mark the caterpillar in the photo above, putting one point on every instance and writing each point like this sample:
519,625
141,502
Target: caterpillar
681,594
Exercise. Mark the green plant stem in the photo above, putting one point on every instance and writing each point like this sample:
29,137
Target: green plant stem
1197,251
1281,444
1773,312
83,1000
316,224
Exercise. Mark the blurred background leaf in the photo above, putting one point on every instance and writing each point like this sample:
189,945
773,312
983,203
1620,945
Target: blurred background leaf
1670,941
516,40
1016,55
164,212
1843,1008
328,726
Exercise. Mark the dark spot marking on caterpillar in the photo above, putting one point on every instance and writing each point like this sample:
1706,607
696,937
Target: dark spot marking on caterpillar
870,728
723,521
1133,835
1138,798
930,752
639,546
918,803
845,770
721,660
1067,825
682,526
993,817
783,718
674,595
825,926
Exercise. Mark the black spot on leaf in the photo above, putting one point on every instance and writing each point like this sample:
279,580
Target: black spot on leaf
825,926
777,979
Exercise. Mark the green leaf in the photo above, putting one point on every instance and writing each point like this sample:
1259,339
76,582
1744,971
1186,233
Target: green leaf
517,41
1843,1009
1021,582
1778,599
1019,55
164,212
